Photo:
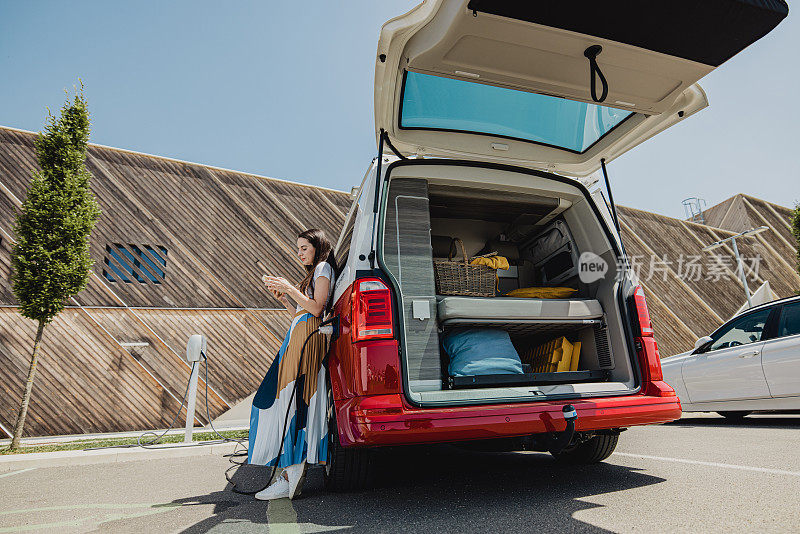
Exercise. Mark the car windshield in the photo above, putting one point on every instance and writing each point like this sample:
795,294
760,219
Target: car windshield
434,102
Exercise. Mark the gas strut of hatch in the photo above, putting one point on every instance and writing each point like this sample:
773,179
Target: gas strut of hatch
382,137
613,206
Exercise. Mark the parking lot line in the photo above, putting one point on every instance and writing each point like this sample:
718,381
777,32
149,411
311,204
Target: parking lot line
711,464
16,472
282,517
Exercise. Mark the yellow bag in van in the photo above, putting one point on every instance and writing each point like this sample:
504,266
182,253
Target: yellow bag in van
542,292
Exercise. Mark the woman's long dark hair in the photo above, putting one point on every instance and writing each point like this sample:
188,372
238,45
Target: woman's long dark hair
323,252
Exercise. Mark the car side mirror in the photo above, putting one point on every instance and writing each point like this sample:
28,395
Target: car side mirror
702,341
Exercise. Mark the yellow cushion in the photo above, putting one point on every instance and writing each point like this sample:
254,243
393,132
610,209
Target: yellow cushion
494,262
542,292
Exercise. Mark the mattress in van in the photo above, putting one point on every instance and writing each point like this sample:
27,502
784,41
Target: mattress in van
518,309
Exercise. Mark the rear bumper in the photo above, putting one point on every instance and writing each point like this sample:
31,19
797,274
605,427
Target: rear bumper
384,420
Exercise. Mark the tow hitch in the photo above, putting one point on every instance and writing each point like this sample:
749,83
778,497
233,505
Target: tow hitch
559,440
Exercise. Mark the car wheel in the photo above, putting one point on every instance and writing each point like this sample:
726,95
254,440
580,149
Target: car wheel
346,469
591,451
734,416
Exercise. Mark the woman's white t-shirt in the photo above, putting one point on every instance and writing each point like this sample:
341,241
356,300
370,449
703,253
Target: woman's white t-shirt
322,269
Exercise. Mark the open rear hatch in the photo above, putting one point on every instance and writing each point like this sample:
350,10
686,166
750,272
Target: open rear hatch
552,85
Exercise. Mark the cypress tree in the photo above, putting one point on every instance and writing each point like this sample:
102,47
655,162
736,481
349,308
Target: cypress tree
50,259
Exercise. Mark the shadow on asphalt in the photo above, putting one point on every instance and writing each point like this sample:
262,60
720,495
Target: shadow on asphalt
232,508
439,489
750,421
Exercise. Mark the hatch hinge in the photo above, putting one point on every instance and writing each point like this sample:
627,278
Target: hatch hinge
391,146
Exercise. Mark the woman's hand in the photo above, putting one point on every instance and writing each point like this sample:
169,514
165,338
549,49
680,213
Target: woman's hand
279,284
280,296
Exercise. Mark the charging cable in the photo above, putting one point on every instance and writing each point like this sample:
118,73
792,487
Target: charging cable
154,443
325,327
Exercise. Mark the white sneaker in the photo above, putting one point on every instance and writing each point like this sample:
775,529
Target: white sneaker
296,474
277,490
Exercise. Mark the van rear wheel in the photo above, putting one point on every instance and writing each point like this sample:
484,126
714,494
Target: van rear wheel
591,451
346,469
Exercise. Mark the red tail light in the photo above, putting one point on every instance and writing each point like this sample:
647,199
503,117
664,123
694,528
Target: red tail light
647,349
641,311
372,310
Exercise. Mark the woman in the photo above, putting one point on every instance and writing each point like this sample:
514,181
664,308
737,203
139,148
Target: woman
305,440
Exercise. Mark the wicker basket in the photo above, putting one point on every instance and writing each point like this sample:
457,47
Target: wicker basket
461,278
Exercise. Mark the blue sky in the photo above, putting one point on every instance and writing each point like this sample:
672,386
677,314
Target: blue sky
285,90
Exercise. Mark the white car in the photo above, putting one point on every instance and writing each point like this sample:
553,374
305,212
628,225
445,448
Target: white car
750,363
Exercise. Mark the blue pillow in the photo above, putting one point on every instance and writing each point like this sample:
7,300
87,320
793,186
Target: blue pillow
480,351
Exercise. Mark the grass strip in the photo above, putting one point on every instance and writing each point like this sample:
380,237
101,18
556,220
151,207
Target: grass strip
87,444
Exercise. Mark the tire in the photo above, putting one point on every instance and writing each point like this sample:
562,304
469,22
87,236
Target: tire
734,416
346,469
592,451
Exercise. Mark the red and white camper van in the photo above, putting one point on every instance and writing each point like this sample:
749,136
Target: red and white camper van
492,120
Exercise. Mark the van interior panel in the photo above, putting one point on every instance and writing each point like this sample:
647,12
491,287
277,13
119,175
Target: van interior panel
709,32
422,218
407,255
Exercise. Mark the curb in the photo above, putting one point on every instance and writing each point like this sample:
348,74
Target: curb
14,462
66,438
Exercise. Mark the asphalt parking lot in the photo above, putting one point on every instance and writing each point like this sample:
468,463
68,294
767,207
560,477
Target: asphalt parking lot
702,473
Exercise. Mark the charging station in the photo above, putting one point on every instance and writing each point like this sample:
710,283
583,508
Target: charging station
195,351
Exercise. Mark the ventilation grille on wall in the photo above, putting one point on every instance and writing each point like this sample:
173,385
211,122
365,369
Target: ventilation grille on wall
603,350
135,263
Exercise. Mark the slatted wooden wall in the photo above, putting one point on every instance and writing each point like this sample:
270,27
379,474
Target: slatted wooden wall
215,225
221,230
683,308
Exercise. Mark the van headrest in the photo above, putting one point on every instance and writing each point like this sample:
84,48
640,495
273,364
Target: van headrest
440,245
503,248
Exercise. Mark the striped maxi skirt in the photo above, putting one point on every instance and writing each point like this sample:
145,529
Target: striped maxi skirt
306,435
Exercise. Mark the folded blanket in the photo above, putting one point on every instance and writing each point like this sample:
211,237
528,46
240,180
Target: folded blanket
494,262
542,292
